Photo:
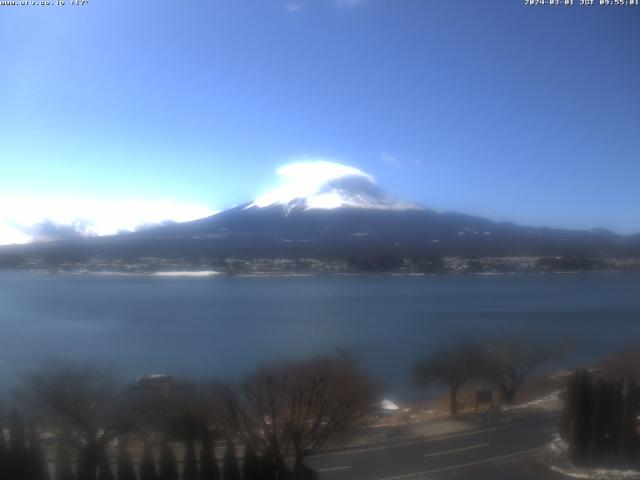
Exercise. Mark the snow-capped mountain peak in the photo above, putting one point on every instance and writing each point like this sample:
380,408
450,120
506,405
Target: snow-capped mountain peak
327,185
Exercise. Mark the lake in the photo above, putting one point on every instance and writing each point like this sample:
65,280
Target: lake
225,326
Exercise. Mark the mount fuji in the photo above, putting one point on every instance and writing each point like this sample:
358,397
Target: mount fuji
328,210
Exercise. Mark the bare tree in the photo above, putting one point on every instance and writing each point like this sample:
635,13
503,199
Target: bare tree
452,366
83,407
625,363
510,361
295,408
183,411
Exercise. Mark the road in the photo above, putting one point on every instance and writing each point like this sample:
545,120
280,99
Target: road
494,453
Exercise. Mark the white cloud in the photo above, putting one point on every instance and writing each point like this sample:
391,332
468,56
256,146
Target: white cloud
26,218
305,178
393,161
293,7
390,160
296,6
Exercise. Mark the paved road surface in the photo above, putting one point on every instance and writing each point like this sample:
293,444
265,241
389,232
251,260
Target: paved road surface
492,453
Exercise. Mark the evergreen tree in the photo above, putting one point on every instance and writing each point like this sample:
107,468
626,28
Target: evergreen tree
250,464
273,467
209,469
63,469
565,426
614,418
230,469
190,465
600,419
83,469
628,437
281,469
268,469
125,464
18,451
104,469
147,464
4,453
581,422
37,461
168,463
89,457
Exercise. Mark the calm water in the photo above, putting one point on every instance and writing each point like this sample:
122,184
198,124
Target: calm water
224,326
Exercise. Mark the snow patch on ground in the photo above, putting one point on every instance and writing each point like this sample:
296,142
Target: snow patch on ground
539,402
389,405
557,454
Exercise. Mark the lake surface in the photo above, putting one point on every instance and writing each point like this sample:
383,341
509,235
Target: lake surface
225,326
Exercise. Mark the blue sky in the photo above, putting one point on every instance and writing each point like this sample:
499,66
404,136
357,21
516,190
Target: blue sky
528,114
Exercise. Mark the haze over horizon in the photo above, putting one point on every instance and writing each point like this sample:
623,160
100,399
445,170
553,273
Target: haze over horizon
135,115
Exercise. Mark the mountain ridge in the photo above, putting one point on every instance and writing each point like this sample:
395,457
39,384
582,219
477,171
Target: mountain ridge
268,232
338,212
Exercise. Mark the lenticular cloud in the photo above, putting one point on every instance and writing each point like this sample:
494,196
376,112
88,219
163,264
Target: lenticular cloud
323,184
305,179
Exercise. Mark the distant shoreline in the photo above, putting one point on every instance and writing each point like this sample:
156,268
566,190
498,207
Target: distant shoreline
351,266
207,274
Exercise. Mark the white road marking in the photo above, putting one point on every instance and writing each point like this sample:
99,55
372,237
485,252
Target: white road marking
457,435
432,439
349,452
462,465
446,452
334,469
408,444
468,433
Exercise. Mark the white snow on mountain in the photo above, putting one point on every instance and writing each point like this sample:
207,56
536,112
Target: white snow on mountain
321,184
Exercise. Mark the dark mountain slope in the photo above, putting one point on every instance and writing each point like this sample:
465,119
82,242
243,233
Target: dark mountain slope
275,231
